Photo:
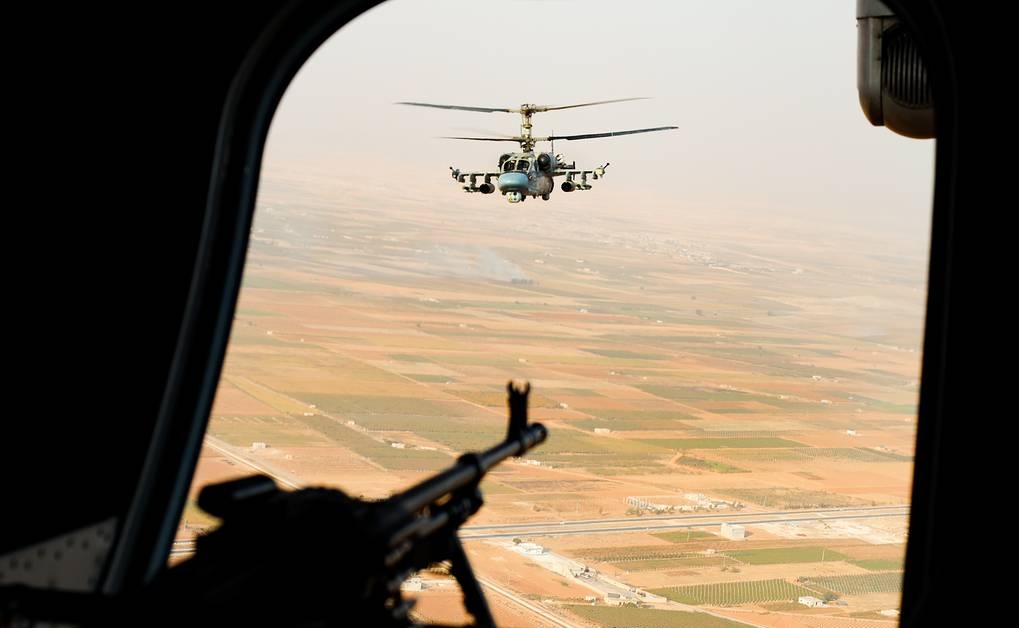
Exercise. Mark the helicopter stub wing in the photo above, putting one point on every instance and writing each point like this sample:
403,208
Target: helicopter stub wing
470,180
577,179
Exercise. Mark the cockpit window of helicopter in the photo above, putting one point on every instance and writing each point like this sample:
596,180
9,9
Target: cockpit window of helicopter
720,314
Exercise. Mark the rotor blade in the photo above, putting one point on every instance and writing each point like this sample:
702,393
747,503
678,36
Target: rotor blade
588,136
483,139
459,107
588,104
484,132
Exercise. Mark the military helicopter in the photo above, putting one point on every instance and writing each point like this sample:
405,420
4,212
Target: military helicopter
527,173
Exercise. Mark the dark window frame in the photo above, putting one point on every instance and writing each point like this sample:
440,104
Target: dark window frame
145,536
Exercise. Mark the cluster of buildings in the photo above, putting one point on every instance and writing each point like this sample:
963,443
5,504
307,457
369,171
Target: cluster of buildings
644,505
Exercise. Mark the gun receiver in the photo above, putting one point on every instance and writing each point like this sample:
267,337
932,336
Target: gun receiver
320,557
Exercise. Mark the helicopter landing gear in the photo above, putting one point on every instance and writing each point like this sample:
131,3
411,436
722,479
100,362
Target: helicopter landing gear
544,197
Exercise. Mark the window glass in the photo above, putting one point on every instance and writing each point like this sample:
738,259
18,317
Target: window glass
722,335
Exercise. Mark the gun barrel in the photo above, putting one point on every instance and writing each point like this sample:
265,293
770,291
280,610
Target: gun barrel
462,474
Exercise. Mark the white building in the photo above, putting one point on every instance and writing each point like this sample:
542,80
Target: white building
613,599
258,445
734,531
530,548
810,601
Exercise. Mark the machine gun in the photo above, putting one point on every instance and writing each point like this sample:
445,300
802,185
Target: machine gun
319,557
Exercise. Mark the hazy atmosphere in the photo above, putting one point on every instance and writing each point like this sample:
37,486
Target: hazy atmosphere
723,336
763,93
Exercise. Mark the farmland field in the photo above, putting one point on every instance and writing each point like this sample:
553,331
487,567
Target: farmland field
619,617
735,593
682,375
886,582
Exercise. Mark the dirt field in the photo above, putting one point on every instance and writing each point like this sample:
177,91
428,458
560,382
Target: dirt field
667,359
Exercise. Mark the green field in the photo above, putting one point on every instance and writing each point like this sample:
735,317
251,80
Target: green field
381,453
735,593
885,582
887,406
783,555
634,553
431,379
763,455
857,454
632,425
709,465
627,617
639,415
626,355
457,433
343,405
880,564
662,564
779,497
277,431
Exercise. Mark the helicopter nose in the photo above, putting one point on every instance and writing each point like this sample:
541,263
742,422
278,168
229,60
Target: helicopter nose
512,182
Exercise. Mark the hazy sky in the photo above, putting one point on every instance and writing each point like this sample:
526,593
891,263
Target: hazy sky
764,94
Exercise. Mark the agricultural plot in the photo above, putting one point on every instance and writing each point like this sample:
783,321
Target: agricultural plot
638,415
708,465
379,452
763,455
431,379
887,406
721,443
885,582
575,449
274,430
626,355
735,593
343,405
880,564
792,498
856,454
627,617
627,425
412,324
784,555
684,536
689,561
633,553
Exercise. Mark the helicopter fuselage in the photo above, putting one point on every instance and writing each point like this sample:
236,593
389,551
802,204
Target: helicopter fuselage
526,174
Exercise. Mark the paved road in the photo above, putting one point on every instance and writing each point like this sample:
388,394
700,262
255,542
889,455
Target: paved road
647,524
226,450
728,513
519,601
642,524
